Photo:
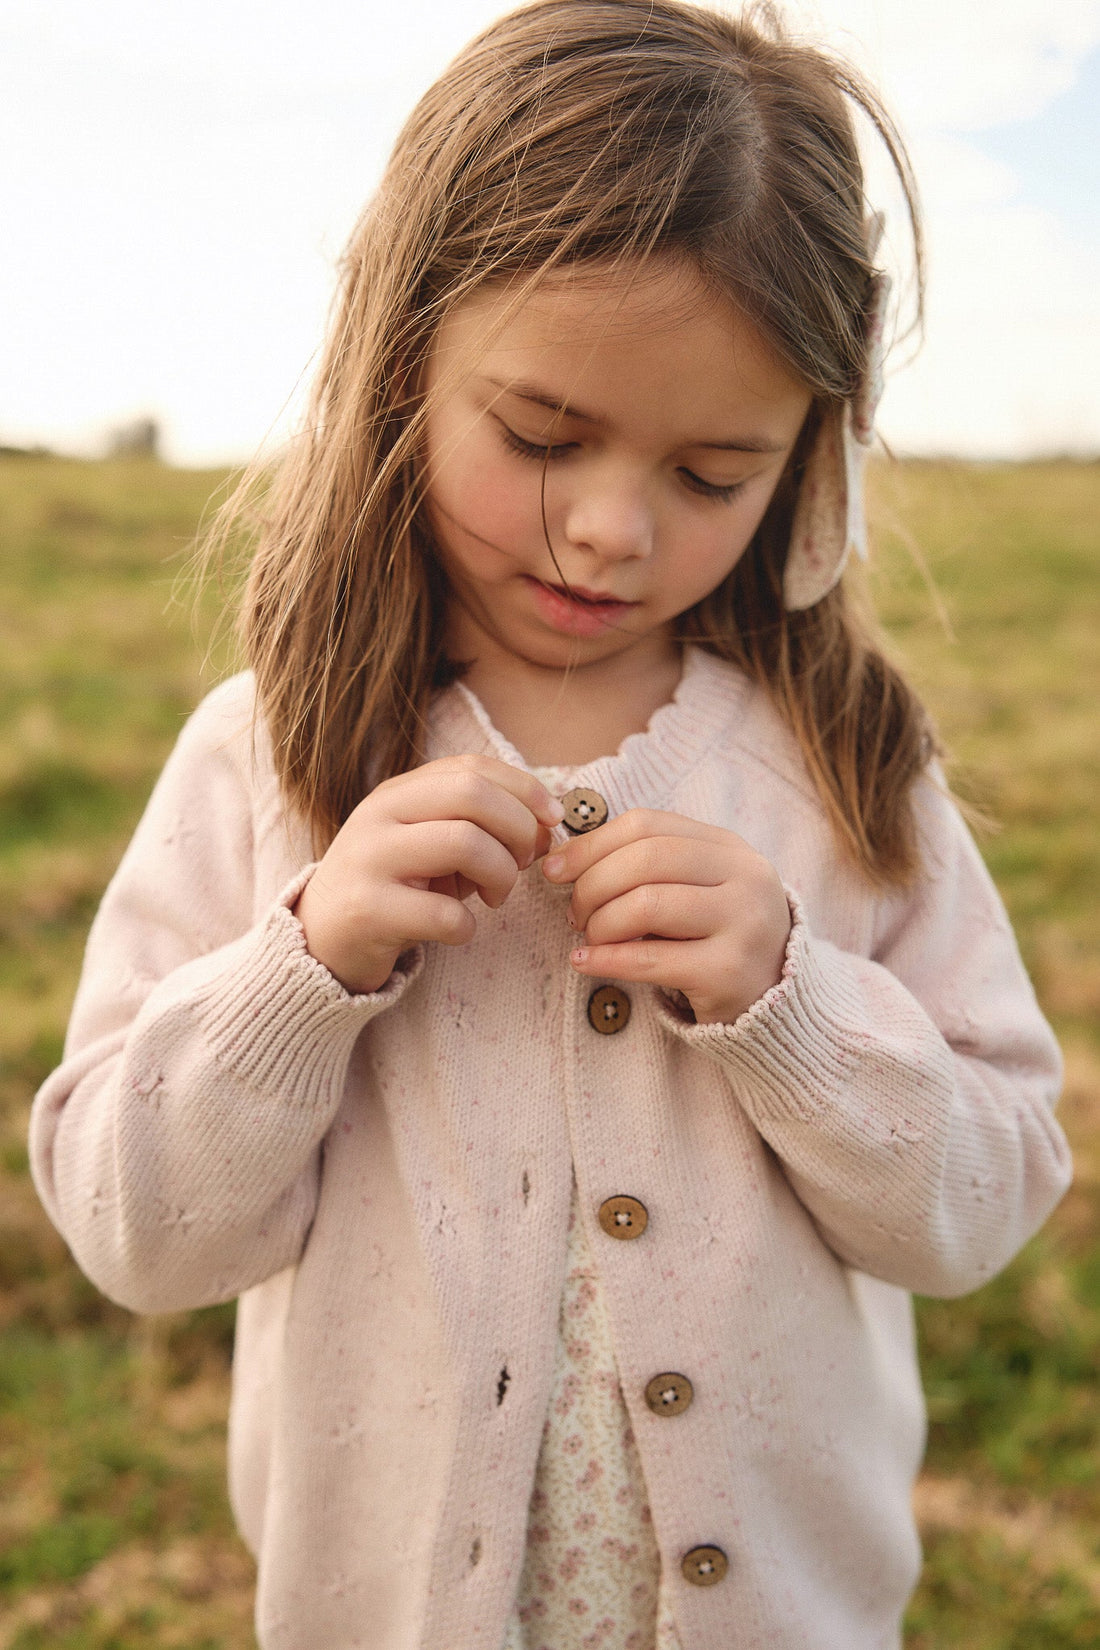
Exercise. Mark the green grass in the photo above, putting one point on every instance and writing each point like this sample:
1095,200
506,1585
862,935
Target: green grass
114,1527
114,1524
1011,666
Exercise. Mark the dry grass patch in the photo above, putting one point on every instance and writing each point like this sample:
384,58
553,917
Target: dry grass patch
194,1594
1051,1541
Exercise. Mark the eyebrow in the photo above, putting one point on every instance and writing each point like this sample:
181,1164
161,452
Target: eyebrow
542,398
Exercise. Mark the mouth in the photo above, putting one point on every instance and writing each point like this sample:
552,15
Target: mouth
577,611
590,598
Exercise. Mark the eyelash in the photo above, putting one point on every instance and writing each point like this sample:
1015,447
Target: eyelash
531,449
696,484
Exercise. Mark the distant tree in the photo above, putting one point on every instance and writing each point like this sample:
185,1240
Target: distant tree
139,439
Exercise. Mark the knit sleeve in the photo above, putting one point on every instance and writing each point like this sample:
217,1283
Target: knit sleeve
177,1146
909,1095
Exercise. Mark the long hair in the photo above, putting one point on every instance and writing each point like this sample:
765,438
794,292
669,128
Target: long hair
569,132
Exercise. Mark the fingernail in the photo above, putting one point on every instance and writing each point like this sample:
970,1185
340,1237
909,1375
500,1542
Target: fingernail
554,865
580,955
554,811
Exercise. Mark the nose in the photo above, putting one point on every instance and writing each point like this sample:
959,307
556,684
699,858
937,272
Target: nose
610,514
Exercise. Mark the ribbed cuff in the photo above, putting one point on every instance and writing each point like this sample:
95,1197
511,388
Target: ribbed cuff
279,1019
797,1043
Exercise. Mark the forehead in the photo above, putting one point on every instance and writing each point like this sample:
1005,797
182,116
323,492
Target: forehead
652,333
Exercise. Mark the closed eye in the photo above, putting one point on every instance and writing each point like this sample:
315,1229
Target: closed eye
535,450
711,489
543,452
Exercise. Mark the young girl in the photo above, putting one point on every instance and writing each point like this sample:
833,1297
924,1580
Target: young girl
553,988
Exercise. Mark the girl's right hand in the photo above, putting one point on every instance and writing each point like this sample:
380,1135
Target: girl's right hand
399,868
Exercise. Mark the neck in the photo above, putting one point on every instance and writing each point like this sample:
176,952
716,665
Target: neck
568,717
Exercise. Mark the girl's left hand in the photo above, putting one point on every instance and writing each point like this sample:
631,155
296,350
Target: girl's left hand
690,907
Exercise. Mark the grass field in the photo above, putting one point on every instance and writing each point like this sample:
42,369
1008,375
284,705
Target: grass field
114,1528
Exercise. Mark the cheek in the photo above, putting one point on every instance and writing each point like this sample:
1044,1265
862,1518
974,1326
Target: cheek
728,545
711,554
482,497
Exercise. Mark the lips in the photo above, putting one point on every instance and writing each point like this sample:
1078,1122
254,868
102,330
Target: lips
577,612
593,598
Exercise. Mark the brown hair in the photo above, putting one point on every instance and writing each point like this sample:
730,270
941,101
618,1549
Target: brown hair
576,130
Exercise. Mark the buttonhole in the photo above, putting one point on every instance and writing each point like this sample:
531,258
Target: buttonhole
502,1385
525,1187
475,1552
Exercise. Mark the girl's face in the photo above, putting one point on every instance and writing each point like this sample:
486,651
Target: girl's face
641,425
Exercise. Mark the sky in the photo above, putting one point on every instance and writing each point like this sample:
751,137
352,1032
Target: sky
177,181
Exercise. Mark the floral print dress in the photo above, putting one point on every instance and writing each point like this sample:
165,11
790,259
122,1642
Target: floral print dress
591,1575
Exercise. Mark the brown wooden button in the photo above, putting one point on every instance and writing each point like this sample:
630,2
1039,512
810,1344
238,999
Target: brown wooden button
704,1566
669,1394
608,1010
584,810
623,1217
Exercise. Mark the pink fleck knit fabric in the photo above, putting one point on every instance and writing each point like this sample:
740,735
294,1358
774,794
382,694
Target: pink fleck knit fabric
591,1576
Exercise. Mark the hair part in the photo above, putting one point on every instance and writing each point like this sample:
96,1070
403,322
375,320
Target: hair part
576,132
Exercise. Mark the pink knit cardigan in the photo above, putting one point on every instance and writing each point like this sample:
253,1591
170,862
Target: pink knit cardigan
385,1180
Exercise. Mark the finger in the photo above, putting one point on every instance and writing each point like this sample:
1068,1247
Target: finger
453,847
649,862
465,887
571,861
439,791
420,915
665,910
668,963
543,840
458,887
526,789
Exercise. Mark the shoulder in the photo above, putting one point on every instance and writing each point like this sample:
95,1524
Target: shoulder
950,857
759,784
222,758
940,822
225,719
749,731
227,729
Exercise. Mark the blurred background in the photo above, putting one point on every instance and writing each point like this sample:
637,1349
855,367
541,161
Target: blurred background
179,179
176,185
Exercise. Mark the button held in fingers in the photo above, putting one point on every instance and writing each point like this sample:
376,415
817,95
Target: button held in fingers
584,810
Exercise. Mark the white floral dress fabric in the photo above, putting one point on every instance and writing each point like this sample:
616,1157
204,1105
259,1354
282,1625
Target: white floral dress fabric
591,1575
